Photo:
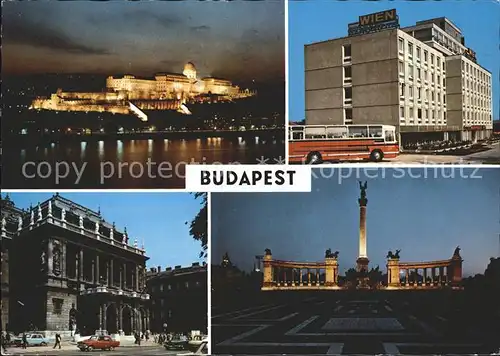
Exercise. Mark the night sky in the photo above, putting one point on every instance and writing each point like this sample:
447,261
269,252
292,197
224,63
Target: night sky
425,218
240,41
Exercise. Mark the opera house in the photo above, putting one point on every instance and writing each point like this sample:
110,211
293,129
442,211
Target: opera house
129,94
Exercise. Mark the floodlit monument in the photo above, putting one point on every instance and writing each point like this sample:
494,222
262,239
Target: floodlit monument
293,275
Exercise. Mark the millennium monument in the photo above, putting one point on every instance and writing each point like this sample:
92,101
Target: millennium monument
323,275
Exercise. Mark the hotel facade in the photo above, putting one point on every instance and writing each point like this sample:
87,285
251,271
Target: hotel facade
421,79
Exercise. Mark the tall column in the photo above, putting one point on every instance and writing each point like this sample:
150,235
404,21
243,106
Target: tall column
284,276
111,272
440,275
407,276
104,319
362,261
425,277
100,317
317,277
124,275
81,264
50,257
300,277
308,277
97,279
137,278
121,277
433,275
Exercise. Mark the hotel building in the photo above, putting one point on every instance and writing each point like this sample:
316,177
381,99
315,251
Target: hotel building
421,79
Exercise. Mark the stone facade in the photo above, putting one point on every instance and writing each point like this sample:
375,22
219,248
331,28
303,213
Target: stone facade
82,268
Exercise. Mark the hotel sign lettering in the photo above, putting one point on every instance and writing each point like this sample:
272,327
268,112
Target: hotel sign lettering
374,22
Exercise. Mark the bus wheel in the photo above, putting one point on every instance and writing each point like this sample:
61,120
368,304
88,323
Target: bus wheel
376,156
314,158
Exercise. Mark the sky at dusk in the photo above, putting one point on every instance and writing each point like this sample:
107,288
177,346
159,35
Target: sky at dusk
314,21
158,218
426,218
241,40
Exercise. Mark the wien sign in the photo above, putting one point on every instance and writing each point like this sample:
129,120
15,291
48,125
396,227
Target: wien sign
375,22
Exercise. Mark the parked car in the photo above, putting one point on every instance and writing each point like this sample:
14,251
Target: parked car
32,339
177,342
98,342
202,349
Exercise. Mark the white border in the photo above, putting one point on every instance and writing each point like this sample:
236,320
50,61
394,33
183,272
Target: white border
209,272
287,118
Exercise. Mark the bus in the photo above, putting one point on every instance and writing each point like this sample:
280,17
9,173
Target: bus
314,144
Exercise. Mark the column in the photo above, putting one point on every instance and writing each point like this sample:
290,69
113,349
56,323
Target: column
317,277
300,277
407,276
93,270
433,275
440,275
104,321
308,277
284,276
63,262
425,276
124,275
111,274
49,247
100,317
121,277
81,264
137,278
120,316
97,274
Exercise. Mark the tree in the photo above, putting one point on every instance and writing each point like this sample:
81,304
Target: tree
198,228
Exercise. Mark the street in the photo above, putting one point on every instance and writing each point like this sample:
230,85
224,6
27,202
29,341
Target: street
344,323
73,350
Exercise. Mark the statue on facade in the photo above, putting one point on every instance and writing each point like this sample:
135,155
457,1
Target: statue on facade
32,216
56,260
363,188
43,261
19,223
97,227
396,255
4,223
49,213
456,254
80,221
390,255
39,212
135,243
268,252
330,254
63,214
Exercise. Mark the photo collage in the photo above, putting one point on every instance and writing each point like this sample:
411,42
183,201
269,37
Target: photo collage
246,177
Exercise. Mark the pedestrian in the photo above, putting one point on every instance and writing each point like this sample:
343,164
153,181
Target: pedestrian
58,341
25,341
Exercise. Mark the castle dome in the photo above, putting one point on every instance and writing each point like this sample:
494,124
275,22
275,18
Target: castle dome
189,70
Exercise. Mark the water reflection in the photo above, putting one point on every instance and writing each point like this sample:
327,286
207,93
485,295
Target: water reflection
176,152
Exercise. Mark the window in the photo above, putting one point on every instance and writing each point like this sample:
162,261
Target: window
347,53
432,59
161,287
57,304
347,95
410,49
347,75
410,114
410,71
418,53
186,284
401,67
419,73
444,82
419,93
425,56
438,79
410,91
432,96
402,89
438,60
439,97
401,45
348,116
419,114
401,112
162,302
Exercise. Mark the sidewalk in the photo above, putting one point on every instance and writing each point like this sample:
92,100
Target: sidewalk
68,346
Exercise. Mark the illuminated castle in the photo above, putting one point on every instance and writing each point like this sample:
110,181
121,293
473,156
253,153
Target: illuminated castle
167,91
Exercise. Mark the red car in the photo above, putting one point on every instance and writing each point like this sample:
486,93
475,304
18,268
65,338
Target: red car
98,342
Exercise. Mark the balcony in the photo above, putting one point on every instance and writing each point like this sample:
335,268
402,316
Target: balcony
114,291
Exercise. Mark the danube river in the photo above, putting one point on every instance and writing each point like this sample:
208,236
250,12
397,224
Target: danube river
128,163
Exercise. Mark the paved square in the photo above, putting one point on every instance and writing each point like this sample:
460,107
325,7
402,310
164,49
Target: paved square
363,324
